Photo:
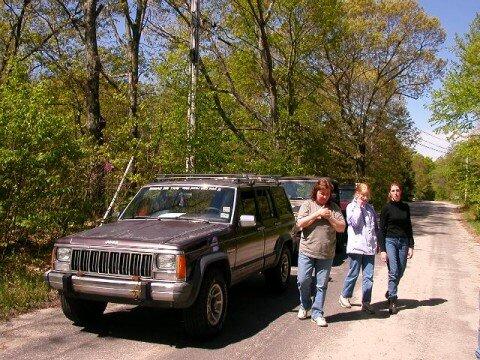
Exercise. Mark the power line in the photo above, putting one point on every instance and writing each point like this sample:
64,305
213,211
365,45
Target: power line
431,143
428,147
434,136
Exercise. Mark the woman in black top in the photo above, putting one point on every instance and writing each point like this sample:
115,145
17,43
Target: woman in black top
395,241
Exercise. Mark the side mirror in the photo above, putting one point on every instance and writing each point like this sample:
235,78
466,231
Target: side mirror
247,221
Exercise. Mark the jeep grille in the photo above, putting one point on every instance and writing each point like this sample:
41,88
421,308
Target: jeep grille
112,263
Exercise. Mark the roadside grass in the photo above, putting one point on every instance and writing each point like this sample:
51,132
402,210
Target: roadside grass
475,225
22,287
470,216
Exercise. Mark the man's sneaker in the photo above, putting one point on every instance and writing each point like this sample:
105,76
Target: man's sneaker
368,308
320,321
344,302
302,313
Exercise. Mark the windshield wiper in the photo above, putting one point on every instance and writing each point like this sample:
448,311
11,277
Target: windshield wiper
194,219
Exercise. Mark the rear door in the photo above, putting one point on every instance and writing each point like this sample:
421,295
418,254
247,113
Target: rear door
268,221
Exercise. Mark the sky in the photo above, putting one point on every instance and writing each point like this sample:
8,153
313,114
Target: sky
455,18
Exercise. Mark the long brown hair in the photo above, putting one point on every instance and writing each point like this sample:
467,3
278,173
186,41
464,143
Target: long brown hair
395,183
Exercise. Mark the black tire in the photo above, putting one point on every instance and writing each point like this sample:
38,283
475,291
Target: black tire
80,311
206,316
278,277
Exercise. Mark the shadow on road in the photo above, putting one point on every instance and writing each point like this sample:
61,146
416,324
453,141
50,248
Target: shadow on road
381,309
252,307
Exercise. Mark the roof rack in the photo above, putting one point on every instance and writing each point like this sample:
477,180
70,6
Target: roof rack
238,178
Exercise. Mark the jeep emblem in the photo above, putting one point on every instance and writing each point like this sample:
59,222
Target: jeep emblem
111,242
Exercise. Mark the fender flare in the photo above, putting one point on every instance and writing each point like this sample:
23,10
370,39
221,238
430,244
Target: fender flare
201,267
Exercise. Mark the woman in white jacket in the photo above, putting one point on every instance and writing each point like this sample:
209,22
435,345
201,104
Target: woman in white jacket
361,247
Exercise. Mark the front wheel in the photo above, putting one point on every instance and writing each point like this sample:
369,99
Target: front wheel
207,314
80,311
279,276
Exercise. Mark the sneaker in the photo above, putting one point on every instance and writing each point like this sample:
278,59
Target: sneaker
320,321
344,302
368,308
302,313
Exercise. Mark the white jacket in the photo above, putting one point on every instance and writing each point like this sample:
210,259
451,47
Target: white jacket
362,229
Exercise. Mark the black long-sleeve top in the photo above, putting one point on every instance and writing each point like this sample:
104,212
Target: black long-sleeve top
395,222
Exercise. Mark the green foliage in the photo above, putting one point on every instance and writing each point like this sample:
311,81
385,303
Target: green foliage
423,168
22,286
457,175
38,162
456,106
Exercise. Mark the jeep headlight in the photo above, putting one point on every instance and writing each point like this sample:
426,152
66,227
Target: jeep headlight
64,254
172,267
166,261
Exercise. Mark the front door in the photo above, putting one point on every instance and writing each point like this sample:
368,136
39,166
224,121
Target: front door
250,240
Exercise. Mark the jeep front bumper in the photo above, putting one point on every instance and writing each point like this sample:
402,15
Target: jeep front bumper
153,292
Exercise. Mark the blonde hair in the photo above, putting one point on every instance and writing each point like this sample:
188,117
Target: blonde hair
362,188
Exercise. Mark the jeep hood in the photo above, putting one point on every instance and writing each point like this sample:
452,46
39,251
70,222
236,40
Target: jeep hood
145,233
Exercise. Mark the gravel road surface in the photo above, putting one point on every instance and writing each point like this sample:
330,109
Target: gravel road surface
438,318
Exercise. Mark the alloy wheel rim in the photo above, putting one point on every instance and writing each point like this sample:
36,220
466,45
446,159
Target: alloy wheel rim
214,304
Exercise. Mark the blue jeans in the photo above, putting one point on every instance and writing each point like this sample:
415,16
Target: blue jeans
321,268
397,250
366,263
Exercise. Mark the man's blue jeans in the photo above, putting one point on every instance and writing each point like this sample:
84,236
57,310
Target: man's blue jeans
357,262
321,268
397,250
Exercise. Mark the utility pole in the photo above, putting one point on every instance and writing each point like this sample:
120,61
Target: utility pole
194,53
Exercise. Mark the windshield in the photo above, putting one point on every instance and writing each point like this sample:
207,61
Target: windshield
182,202
346,194
299,190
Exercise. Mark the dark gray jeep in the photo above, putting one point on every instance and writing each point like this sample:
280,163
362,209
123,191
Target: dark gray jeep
180,243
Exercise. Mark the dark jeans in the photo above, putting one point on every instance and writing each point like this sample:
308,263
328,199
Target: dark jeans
397,250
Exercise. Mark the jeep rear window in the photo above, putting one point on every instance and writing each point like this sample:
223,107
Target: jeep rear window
203,203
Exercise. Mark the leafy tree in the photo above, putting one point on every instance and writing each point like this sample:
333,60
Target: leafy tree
457,175
456,105
384,51
41,192
423,168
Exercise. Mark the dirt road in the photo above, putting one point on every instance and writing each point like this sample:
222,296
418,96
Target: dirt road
438,316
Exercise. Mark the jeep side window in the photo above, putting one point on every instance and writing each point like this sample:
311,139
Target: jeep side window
265,205
247,203
281,201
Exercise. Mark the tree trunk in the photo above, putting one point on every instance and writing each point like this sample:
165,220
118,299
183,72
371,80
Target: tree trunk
95,121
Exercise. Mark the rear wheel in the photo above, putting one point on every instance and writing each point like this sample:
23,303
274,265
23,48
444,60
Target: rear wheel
279,276
80,311
207,314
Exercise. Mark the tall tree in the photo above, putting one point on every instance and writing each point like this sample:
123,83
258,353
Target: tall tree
456,105
384,51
